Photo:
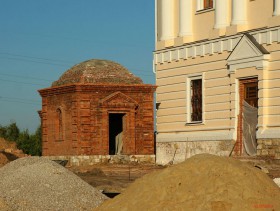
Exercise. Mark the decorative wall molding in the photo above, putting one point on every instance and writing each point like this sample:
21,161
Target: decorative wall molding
247,53
209,47
207,136
268,134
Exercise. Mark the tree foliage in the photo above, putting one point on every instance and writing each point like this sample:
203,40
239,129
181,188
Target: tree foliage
29,143
12,132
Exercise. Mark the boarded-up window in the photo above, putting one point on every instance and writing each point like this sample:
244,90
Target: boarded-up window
196,100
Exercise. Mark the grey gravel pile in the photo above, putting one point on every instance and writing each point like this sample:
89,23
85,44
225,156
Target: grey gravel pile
35,183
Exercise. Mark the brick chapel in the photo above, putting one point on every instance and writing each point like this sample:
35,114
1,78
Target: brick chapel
97,107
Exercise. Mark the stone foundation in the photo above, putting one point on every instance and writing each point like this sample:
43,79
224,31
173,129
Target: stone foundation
269,148
88,160
176,152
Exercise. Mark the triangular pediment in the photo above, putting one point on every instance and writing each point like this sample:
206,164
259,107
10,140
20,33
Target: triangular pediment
118,98
247,48
247,53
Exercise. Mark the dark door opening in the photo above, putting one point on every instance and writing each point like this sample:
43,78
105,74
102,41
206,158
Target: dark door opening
115,133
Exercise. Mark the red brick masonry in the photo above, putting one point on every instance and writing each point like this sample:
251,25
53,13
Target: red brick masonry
75,118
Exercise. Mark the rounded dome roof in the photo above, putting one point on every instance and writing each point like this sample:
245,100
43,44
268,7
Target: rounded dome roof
97,71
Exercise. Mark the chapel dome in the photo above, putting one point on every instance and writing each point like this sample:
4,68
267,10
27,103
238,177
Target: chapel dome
97,71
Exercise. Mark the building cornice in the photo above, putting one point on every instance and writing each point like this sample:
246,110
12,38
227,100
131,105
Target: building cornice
65,89
210,47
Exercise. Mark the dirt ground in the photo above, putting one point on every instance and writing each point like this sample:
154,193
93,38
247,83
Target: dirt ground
113,178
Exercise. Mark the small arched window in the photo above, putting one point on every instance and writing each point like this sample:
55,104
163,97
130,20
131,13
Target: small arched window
59,124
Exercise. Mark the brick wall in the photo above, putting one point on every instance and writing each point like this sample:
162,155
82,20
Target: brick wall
85,113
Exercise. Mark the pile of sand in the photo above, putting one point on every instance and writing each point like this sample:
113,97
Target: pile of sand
35,183
203,182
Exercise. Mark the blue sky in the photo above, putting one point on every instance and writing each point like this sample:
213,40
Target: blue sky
41,39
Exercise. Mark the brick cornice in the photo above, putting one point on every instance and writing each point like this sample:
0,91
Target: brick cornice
94,87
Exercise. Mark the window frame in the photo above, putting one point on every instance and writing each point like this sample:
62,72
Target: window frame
200,5
191,78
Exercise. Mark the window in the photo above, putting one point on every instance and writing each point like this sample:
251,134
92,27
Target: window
208,4
204,4
251,93
195,99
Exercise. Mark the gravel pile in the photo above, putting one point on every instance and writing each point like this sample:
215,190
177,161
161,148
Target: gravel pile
35,183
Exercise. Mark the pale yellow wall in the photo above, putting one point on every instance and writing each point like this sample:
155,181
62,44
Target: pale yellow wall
213,54
203,23
273,100
221,94
171,92
176,19
259,13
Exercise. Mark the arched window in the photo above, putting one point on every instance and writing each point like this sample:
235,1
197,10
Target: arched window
59,124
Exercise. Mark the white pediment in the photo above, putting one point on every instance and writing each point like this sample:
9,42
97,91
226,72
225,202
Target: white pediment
245,49
247,53
118,98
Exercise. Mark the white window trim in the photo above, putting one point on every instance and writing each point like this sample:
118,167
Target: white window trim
188,98
200,6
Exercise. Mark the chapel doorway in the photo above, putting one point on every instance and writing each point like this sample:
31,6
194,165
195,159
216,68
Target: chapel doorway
116,133
248,117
